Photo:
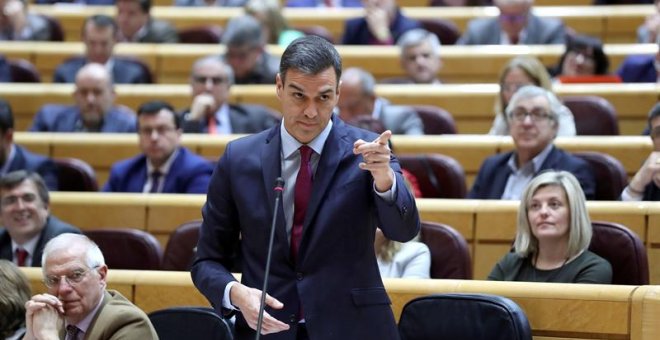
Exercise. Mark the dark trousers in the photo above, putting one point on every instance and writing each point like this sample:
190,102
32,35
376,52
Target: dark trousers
302,332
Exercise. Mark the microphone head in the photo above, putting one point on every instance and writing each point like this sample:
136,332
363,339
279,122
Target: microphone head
279,184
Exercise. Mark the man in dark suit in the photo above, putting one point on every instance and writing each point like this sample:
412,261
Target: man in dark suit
137,25
26,218
645,185
94,110
533,123
164,165
515,25
99,34
382,24
211,112
358,98
76,297
14,157
17,23
641,68
324,282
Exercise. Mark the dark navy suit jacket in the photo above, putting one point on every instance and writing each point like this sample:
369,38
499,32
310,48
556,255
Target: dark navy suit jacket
188,174
53,227
44,166
494,173
356,31
62,118
124,71
243,119
638,69
5,71
336,278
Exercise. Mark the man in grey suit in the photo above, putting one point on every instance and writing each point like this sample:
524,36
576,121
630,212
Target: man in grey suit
137,25
515,25
358,98
210,112
26,218
94,110
16,23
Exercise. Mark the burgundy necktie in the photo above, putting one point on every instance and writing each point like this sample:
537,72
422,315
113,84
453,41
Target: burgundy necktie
21,256
301,197
155,181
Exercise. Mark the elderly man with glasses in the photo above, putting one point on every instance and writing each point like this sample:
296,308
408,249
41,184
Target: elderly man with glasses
516,24
210,112
77,304
645,185
533,122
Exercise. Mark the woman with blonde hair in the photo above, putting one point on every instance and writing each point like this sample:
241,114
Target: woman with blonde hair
553,236
14,292
518,72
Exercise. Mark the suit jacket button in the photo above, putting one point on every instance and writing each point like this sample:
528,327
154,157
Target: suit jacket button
293,318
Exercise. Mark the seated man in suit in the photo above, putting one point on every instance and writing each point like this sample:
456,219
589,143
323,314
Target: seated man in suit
75,276
641,68
533,122
94,110
99,34
382,24
14,157
245,52
137,25
164,165
359,98
515,25
210,112
26,218
16,23
420,57
645,185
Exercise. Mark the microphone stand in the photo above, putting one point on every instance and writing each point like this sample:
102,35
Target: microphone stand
279,187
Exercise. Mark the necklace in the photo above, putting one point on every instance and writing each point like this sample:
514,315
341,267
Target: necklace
552,276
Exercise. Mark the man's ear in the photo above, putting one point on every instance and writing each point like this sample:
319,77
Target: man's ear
279,87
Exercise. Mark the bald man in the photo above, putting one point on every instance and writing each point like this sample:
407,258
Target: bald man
94,110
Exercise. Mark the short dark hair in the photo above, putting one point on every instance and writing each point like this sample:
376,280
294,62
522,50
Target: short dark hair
15,178
311,55
152,108
242,31
654,113
101,21
580,43
6,116
145,5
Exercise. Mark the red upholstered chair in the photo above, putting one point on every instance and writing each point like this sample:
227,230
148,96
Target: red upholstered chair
437,121
209,34
180,249
75,175
125,248
439,176
624,251
450,254
445,29
593,115
611,176
22,71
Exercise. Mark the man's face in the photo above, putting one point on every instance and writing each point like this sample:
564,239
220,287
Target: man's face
210,78
420,63
22,210
83,288
158,136
307,102
536,130
93,95
513,18
353,102
243,59
655,133
130,17
99,43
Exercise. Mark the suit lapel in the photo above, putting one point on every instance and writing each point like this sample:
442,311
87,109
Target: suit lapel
271,168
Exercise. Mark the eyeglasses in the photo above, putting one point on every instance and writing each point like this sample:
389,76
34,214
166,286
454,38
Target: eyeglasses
72,279
536,115
160,130
205,79
11,200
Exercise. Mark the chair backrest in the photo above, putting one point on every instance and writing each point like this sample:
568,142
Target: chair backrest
75,175
623,249
439,176
209,34
368,123
125,248
437,121
317,30
465,317
593,115
611,177
445,29
55,27
189,323
22,71
450,255
180,249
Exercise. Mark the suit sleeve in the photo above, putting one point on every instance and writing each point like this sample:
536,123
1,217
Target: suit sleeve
557,34
476,190
48,171
399,220
584,174
111,185
199,177
39,123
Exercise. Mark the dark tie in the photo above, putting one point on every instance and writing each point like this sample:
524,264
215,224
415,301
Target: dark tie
21,256
301,197
72,332
155,181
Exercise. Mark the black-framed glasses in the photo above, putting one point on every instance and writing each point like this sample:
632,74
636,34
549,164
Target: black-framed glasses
205,79
536,116
72,279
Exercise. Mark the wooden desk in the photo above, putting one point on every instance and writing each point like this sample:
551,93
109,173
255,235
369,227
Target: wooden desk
171,63
612,24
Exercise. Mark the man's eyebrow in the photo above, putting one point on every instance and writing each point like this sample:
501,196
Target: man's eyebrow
296,87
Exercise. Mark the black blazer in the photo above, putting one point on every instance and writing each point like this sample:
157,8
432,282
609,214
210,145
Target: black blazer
44,166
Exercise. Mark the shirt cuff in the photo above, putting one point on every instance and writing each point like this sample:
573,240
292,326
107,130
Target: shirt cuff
630,195
226,300
388,195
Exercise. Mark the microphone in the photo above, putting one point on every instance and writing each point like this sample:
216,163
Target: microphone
279,187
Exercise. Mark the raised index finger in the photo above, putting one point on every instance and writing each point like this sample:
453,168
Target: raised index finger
383,138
